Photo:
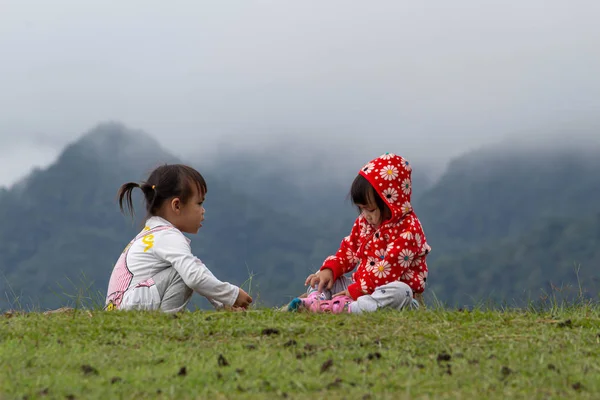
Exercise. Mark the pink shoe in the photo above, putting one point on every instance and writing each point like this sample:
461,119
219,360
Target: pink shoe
337,305
299,304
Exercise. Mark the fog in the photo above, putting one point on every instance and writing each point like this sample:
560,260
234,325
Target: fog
336,80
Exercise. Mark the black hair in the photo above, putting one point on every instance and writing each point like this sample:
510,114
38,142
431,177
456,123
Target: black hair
166,181
362,192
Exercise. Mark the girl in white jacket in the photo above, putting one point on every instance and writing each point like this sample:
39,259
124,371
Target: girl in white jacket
157,270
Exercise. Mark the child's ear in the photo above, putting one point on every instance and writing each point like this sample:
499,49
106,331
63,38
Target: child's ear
176,205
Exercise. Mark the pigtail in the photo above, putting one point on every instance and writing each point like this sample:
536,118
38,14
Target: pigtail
150,193
124,195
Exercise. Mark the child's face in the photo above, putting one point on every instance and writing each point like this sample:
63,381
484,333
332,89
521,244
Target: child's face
189,218
193,213
371,213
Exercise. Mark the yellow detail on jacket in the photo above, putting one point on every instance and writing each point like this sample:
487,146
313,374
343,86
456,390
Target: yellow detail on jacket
148,240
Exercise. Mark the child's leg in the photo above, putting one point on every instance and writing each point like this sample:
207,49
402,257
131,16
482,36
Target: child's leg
396,295
165,291
174,293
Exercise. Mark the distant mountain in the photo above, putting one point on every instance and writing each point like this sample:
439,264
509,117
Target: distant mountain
504,221
63,222
557,257
492,194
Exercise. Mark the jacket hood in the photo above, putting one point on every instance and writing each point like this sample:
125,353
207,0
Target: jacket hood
390,175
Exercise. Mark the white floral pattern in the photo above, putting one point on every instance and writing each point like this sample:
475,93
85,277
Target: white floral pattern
406,165
387,156
389,172
368,168
426,248
421,280
371,263
391,195
406,257
408,275
406,207
363,286
351,256
365,229
380,253
406,235
406,186
382,269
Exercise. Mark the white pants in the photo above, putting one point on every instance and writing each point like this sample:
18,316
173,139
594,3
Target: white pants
394,295
165,291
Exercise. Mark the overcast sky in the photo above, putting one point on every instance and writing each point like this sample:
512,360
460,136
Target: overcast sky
428,80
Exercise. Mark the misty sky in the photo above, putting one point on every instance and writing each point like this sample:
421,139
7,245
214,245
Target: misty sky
428,80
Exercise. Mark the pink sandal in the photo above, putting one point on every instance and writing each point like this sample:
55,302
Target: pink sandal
299,304
337,305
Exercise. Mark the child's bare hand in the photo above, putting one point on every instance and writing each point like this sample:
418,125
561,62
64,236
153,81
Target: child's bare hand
243,300
324,278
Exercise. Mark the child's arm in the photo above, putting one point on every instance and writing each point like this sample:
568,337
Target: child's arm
399,255
217,305
345,258
173,247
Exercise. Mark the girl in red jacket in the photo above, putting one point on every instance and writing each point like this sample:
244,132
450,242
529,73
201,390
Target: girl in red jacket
387,246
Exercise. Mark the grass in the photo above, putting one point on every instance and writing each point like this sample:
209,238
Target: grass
266,354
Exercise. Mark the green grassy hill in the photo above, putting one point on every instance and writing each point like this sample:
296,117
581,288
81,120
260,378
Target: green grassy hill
264,354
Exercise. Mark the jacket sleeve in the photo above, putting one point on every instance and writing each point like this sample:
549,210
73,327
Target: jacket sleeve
394,266
173,247
346,257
